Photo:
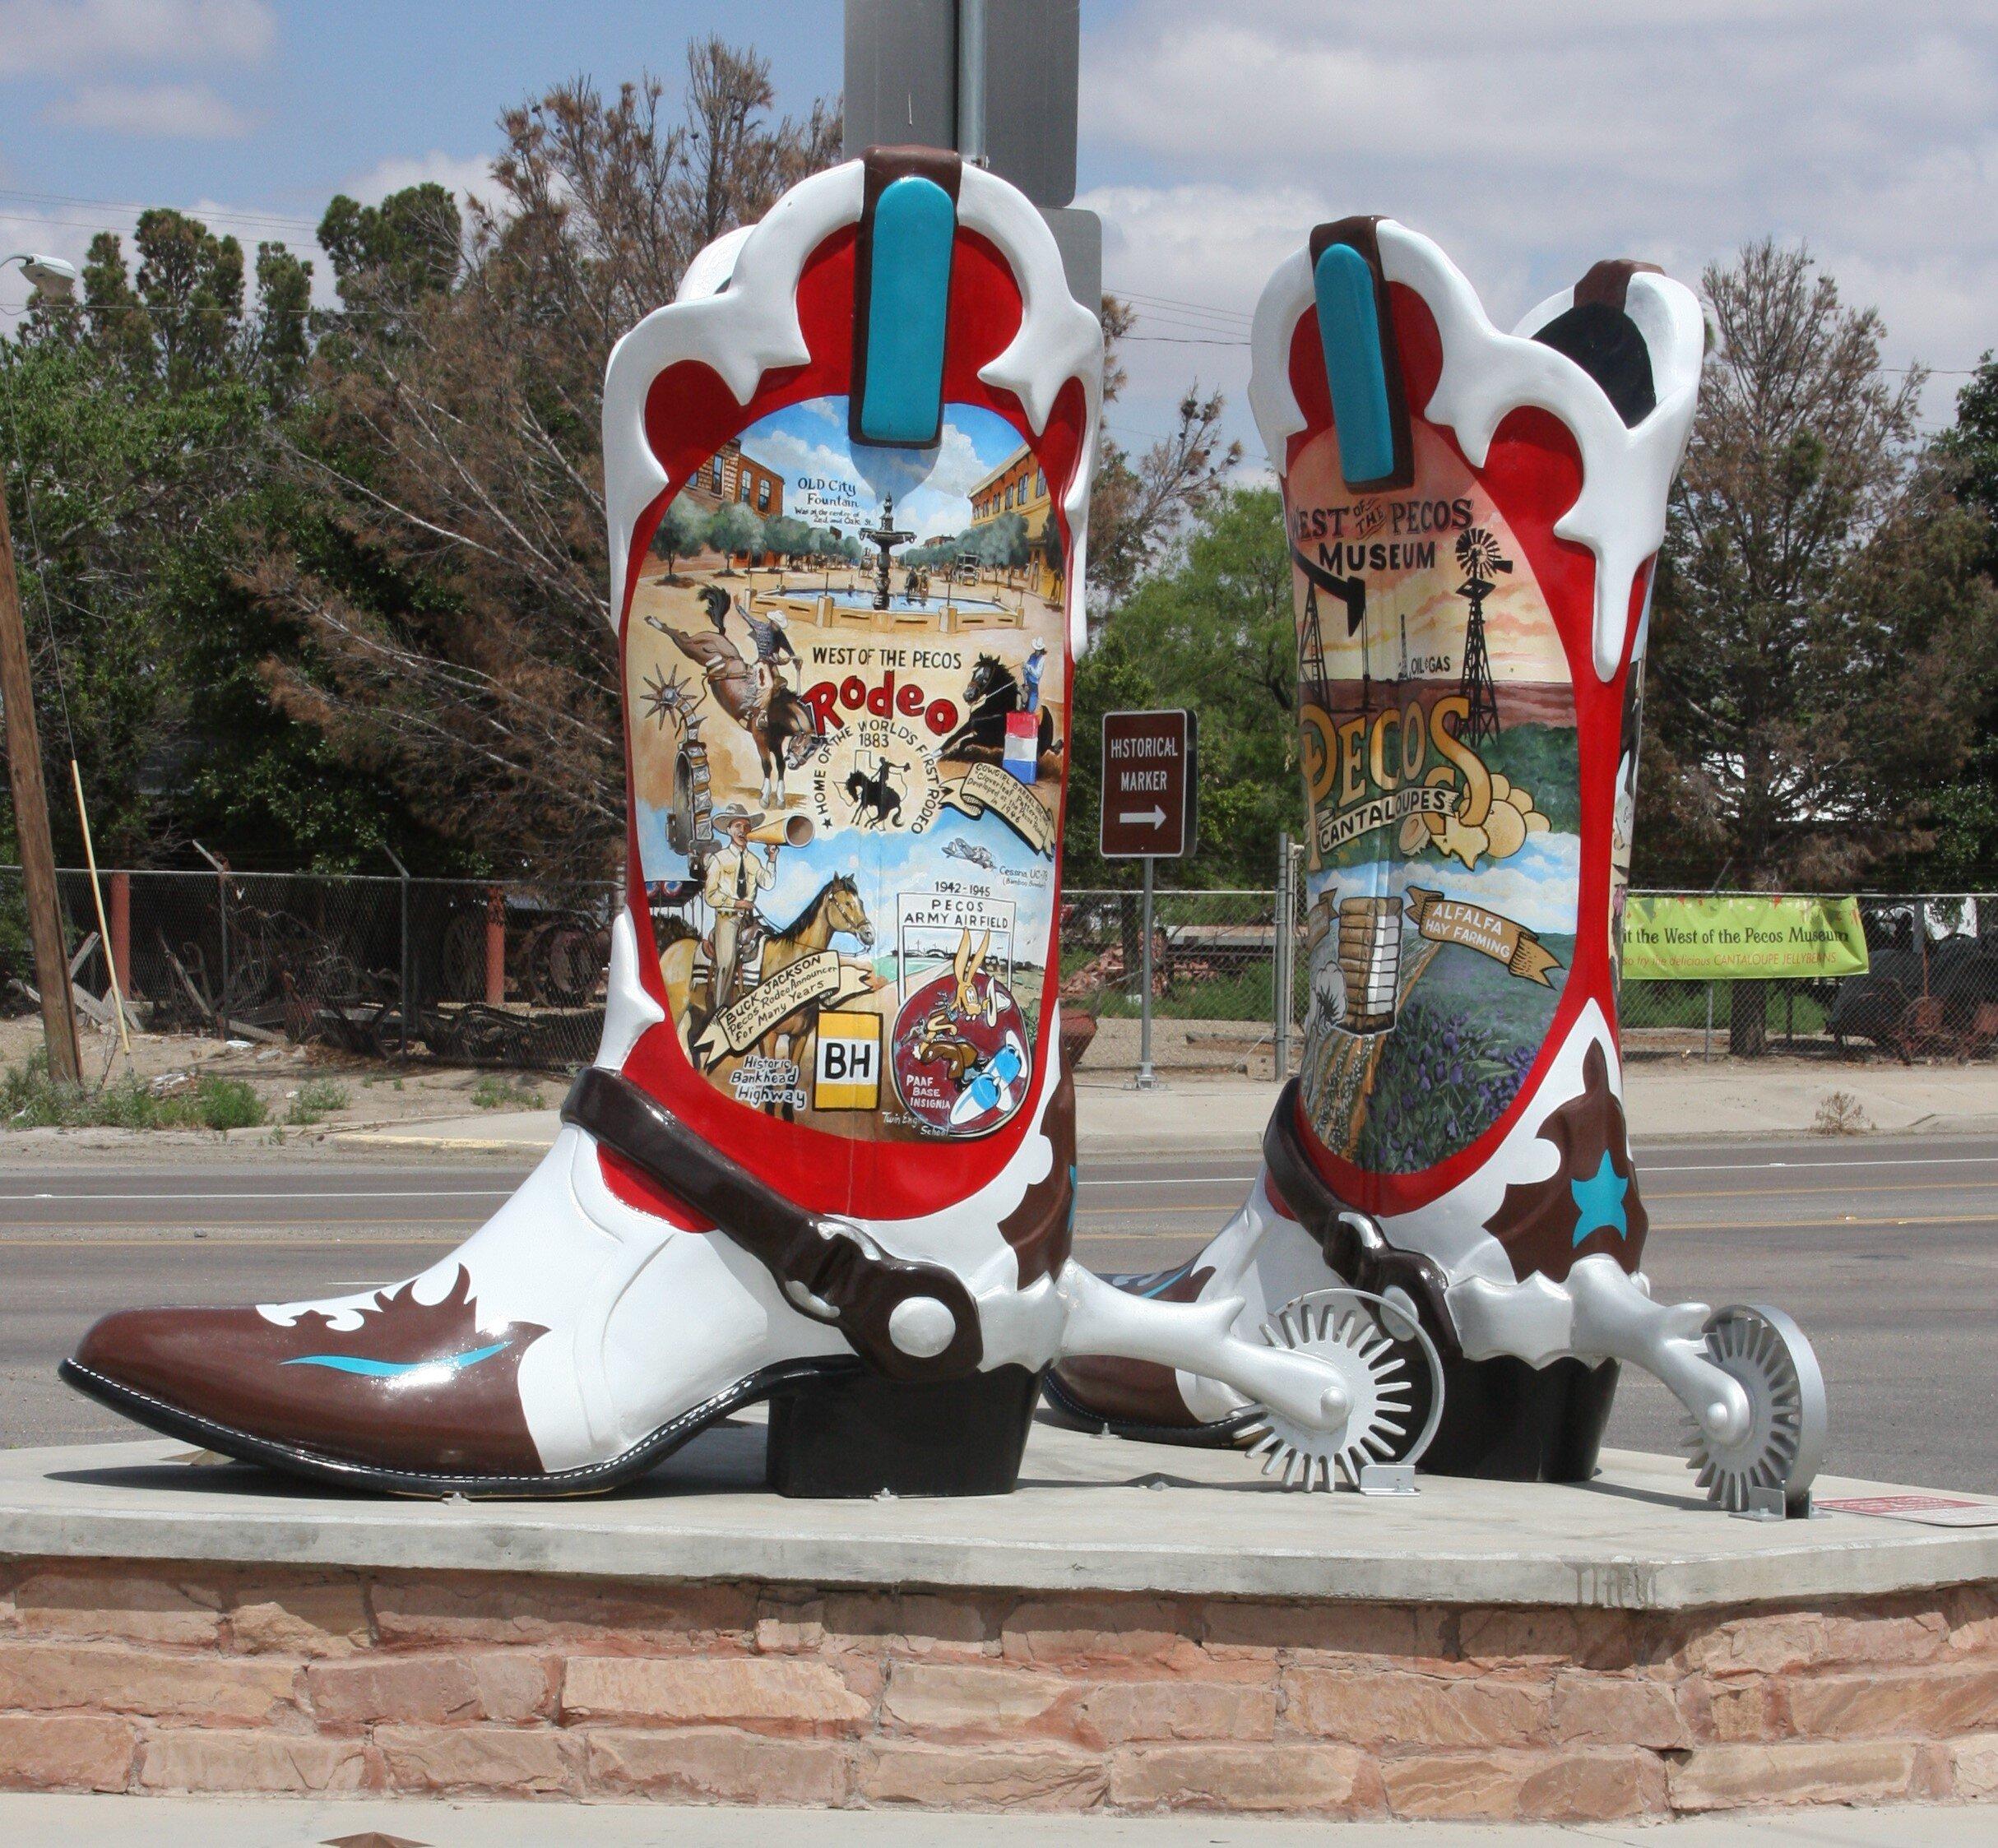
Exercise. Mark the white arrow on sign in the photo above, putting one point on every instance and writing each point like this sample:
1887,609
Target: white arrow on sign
1153,816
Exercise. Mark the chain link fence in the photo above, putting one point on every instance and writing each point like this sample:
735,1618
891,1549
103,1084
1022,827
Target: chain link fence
468,972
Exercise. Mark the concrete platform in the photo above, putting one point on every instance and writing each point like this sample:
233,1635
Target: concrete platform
1092,1514
1139,1631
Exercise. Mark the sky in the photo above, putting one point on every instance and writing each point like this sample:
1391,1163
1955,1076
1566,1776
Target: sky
1529,138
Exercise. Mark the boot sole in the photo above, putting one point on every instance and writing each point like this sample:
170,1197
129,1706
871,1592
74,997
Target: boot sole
593,1479
1223,1433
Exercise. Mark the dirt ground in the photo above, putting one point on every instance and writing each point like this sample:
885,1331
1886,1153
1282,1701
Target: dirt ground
376,1094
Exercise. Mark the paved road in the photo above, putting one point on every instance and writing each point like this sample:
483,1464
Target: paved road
1886,1249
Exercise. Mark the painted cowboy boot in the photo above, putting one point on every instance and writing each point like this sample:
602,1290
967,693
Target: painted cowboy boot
1473,518
826,1154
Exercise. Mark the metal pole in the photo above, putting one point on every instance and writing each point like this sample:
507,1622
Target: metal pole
97,896
1147,1079
38,886
1281,949
403,997
1706,1050
221,886
971,81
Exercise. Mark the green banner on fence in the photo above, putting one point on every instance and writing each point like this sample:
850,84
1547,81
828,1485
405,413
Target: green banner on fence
1708,939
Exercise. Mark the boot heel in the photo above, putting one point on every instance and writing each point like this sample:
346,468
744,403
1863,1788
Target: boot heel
1510,1422
857,1435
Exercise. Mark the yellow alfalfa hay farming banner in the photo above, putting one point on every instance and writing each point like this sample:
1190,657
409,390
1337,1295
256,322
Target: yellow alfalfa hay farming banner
1740,936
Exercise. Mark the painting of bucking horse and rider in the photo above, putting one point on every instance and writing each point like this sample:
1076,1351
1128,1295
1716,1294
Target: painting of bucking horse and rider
851,716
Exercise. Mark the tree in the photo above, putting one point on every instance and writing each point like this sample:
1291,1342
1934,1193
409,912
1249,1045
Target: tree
142,420
733,529
1137,510
1216,633
452,635
683,532
787,537
1822,640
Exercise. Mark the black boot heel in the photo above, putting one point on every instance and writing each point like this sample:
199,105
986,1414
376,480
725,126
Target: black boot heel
856,1435
1510,1422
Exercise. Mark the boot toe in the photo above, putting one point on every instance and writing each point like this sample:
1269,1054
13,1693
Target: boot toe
413,1388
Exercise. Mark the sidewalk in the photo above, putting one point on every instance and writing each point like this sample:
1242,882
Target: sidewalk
1669,1101
121,1822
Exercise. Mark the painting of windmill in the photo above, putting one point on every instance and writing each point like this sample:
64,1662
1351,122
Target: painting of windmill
1477,556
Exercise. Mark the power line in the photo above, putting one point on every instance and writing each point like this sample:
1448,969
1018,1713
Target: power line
244,217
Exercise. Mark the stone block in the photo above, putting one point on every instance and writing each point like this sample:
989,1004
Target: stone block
1605,1710
114,1605
1777,1643
1067,1633
39,1677
1791,1771
799,1630
1974,1767
263,1762
1483,1785
933,1626
453,1610
775,1691
1896,1637
495,1760
1735,1709
1118,1712
1319,1779
1327,1633
326,1617
716,1764
982,1776
949,1698
1393,1710
64,1752
508,1686
1537,1638
1917,1703
1593,1787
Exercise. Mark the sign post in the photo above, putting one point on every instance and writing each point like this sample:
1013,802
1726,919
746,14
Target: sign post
1148,811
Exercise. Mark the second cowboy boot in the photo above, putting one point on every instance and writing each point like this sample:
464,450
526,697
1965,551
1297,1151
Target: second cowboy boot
1472,519
825,1156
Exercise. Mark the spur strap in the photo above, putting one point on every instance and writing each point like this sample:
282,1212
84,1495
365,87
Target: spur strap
1352,1242
908,1320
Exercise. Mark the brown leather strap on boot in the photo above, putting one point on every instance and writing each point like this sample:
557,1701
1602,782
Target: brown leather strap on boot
907,1320
1352,1242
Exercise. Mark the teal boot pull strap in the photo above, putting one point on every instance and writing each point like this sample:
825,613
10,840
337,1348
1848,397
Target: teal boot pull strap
1362,364
908,231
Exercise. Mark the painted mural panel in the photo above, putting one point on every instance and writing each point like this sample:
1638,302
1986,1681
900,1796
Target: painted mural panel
850,720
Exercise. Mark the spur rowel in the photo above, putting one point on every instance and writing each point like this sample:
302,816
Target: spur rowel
1472,519
825,1154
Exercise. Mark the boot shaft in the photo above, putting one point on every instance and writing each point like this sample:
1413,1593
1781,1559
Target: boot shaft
849,474
1472,519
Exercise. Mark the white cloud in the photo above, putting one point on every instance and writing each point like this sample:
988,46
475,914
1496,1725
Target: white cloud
469,176
175,111
1532,139
84,36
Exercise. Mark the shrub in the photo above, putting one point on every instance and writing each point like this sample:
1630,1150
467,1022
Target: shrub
316,1098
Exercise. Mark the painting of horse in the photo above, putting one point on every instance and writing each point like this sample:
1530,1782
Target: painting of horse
991,691
779,724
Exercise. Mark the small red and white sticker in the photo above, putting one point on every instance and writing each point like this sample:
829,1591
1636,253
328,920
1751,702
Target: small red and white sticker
1927,1511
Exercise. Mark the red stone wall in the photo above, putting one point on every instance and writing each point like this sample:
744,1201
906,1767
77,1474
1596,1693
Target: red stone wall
207,1679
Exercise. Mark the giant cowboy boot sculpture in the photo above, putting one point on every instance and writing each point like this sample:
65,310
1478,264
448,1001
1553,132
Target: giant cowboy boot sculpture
1472,518
825,1156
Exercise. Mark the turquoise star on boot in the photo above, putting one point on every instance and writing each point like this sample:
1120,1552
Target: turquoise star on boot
1599,1202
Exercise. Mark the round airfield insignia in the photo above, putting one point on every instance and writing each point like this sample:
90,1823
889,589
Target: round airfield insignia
960,1058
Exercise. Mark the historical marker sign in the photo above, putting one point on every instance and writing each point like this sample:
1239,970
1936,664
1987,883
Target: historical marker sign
1149,780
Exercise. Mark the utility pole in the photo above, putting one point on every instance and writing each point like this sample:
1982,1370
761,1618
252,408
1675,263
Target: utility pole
24,763
995,80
